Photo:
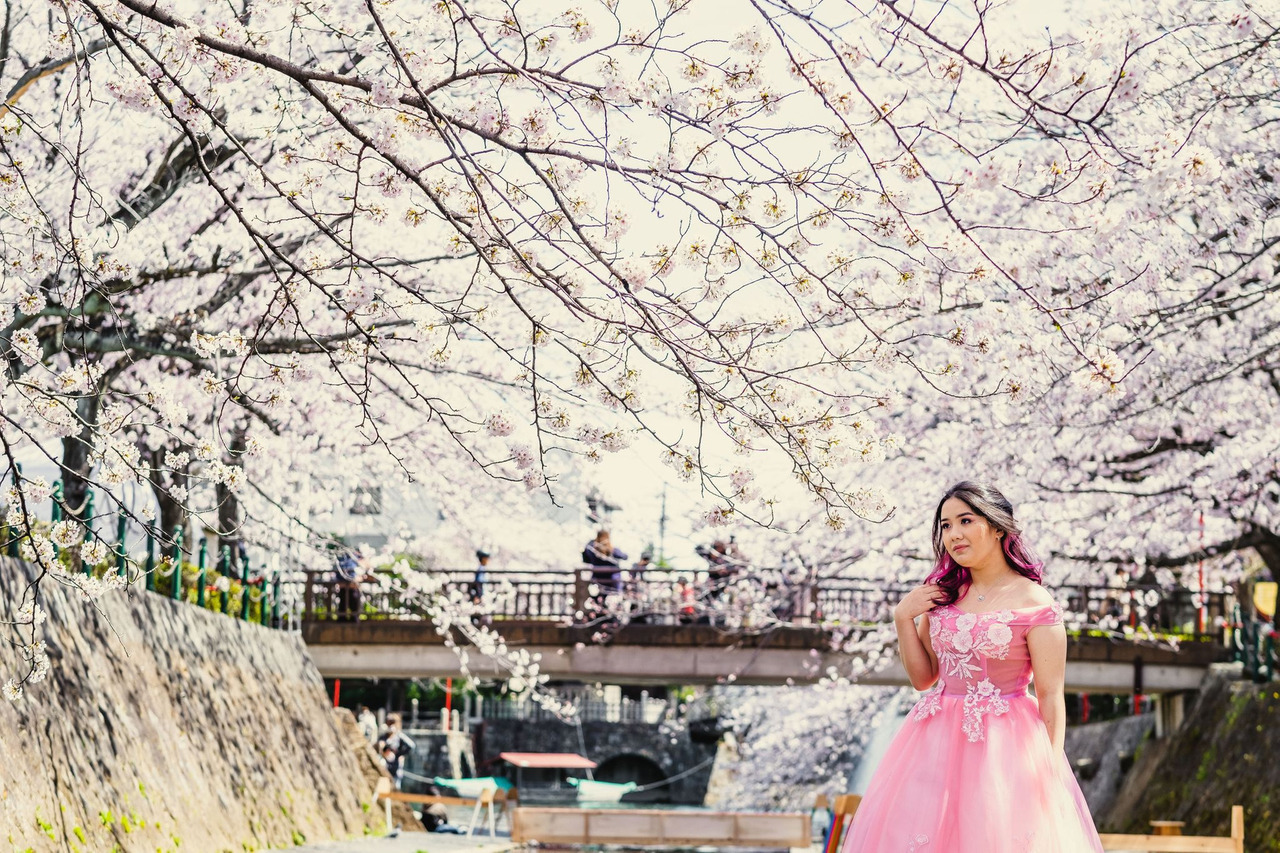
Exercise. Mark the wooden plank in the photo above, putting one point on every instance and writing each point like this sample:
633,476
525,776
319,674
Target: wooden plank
560,826
563,823
428,799
1168,843
498,798
623,827
784,830
660,827
697,828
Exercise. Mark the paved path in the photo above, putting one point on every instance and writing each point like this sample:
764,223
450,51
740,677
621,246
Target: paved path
414,842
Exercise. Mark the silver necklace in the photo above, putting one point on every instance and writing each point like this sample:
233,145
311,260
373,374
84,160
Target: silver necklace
982,596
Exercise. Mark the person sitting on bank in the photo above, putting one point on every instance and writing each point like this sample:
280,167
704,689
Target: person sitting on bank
400,745
368,724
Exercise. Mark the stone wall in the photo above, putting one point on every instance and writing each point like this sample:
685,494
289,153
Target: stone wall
1102,753
1223,754
164,727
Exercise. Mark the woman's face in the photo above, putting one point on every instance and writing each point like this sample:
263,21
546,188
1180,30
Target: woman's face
969,538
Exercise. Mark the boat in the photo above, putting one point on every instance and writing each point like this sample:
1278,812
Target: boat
601,792
548,770
475,786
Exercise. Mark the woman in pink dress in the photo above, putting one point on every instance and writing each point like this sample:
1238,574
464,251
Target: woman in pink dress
978,766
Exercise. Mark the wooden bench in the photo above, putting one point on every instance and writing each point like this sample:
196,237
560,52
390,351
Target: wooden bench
657,827
1182,843
488,799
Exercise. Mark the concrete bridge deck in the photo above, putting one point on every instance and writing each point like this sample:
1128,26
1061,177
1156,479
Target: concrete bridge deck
702,654
664,637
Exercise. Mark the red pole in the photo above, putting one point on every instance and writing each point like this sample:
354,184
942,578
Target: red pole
1202,613
337,685
448,703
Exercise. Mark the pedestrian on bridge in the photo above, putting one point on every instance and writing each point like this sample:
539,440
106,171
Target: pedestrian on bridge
605,561
347,577
724,561
481,576
979,764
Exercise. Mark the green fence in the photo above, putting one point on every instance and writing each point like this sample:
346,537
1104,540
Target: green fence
246,595
1253,643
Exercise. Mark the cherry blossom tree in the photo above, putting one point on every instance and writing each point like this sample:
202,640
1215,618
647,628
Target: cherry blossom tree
1164,454
782,753
840,241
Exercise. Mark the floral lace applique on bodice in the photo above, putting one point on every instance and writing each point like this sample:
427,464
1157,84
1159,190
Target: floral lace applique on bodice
982,657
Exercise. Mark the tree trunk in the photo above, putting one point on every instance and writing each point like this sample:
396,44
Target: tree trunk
1267,545
229,515
76,450
172,512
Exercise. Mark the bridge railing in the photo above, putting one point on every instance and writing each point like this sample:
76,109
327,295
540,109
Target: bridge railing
531,595
642,712
755,598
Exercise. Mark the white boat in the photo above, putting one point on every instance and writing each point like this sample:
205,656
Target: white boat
475,786
602,792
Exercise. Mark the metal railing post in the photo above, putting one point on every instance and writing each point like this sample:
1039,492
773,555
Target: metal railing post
244,590
224,561
55,514
264,615
150,570
275,600
581,593
121,529
87,518
176,592
203,559
308,598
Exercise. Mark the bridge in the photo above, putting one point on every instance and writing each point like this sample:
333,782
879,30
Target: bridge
664,628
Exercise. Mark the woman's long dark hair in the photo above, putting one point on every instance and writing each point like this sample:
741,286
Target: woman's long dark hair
988,502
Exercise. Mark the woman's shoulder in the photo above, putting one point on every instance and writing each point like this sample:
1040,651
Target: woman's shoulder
1037,605
1027,594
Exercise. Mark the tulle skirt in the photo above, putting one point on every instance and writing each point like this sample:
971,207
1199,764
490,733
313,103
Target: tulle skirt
936,791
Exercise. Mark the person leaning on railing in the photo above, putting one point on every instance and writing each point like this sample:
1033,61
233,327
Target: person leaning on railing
347,577
724,561
605,562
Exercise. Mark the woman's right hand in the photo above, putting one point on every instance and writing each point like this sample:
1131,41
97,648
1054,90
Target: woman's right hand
918,601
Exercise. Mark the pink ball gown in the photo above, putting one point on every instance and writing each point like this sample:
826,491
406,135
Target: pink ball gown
973,770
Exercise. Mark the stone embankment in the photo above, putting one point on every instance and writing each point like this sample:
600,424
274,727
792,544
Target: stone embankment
1223,754
164,727
1102,754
